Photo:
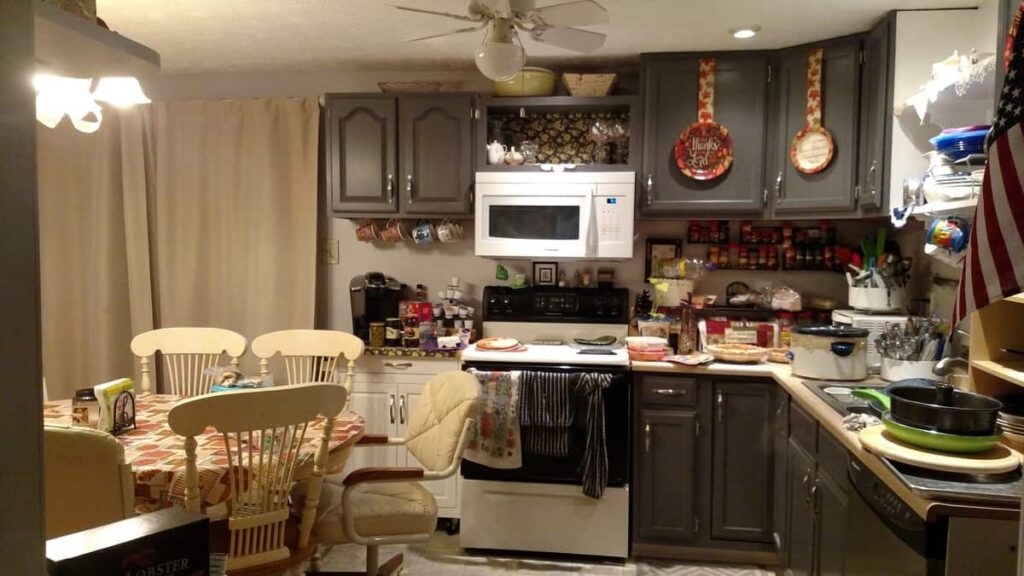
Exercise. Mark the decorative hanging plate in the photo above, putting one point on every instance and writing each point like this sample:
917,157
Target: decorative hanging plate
812,147
704,149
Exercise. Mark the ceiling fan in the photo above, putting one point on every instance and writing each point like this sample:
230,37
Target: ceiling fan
501,54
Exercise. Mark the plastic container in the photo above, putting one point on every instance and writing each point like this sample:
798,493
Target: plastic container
877,299
530,81
893,370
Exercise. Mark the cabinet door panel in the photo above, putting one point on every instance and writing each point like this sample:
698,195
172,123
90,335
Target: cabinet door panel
800,516
876,120
436,150
445,491
378,405
781,485
361,154
742,459
831,189
667,486
671,105
832,507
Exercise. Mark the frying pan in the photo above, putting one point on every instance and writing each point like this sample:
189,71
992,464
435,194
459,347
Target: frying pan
937,407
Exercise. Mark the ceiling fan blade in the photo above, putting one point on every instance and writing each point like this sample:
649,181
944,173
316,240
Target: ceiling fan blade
433,13
571,39
579,13
448,33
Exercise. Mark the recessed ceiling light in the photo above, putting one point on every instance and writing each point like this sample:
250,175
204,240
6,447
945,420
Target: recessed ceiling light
745,32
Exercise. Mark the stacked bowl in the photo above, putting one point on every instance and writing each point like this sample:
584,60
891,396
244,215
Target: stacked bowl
647,348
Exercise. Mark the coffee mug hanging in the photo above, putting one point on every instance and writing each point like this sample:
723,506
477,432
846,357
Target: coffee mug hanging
812,147
704,149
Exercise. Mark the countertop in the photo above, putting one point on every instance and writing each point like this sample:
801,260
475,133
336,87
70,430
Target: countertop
833,423
409,352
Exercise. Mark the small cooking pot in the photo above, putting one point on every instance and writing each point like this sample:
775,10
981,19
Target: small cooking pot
939,407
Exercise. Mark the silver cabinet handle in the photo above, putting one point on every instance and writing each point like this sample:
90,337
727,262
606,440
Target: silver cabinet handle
647,437
669,392
813,498
872,179
764,197
398,365
719,401
401,409
649,189
391,406
778,189
390,188
803,485
408,187
782,404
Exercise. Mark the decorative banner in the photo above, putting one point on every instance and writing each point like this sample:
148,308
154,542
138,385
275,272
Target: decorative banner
704,149
812,147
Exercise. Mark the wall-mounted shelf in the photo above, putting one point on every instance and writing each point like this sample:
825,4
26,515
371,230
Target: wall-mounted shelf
1012,372
928,212
994,329
73,46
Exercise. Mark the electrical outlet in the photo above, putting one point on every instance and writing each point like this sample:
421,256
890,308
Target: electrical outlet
329,251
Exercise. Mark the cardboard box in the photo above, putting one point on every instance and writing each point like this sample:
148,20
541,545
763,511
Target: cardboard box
169,542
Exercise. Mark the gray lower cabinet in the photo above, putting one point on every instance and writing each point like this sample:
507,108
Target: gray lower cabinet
670,105
666,498
780,484
741,460
404,155
360,159
435,140
800,516
830,506
833,188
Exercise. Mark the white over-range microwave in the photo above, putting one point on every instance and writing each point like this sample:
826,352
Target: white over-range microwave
555,214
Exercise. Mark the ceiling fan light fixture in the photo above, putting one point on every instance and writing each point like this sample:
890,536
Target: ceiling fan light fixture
501,55
121,91
745,32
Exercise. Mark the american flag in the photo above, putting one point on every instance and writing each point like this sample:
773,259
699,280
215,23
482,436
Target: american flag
994,267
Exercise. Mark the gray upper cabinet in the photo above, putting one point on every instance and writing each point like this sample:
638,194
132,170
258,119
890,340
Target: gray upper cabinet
670,105
435,140
833,188
876,122
667,468
406,155
742,460
360,154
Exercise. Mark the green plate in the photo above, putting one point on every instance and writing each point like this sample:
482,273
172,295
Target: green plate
939,441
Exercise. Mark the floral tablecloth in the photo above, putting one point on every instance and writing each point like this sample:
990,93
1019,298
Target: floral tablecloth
157,454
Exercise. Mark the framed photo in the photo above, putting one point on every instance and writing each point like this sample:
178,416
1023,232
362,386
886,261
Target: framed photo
659,249
545,273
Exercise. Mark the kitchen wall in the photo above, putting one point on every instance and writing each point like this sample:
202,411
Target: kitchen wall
434,264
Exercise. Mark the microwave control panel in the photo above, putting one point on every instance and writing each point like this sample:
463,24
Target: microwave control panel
613,215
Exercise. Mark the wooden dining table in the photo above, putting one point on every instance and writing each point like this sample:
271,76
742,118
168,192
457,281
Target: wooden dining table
157,454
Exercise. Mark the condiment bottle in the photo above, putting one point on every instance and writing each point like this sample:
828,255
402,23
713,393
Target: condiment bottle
85,408
393,332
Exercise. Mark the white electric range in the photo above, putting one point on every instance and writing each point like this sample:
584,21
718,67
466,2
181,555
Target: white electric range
541,507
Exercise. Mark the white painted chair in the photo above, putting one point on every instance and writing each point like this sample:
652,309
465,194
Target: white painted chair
86,480
263,430
187,352
309,355
378,506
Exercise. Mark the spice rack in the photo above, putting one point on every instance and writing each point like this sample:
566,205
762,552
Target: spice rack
771,248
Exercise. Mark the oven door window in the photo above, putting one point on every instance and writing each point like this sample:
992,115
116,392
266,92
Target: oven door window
534,222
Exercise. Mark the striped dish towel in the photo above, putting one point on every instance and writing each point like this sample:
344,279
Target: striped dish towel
595,455
547,409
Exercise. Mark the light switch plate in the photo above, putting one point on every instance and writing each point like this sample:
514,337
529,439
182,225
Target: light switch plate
329,251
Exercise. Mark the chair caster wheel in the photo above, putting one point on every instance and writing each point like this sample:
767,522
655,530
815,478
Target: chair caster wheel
452,526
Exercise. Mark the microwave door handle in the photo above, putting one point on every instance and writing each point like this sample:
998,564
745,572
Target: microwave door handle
592,232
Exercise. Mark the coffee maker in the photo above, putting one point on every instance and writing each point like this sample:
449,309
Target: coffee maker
374,299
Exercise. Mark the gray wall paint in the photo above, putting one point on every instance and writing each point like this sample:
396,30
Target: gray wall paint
21,463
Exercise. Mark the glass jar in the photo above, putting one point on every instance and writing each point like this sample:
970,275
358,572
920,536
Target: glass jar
85,408
411,332
378,334
393,332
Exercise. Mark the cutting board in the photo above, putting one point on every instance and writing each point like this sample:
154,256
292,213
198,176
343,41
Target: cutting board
997,460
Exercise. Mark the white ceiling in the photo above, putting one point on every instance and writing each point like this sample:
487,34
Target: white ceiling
247,35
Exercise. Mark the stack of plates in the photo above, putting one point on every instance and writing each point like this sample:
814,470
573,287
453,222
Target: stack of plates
1011,419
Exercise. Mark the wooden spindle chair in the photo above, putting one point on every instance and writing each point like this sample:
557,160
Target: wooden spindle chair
187,353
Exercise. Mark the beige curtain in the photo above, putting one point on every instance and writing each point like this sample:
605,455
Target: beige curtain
205,215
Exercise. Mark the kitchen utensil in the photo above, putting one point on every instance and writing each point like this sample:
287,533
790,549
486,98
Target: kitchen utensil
496,153
999,459
367,231
829,352
878,398
393,231
423,233
812,148
938,440
704,148
497,343
943,408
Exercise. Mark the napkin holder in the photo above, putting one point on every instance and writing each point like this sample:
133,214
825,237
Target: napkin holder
117,405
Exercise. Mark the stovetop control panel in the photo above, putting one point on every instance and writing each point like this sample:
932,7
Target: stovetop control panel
554,304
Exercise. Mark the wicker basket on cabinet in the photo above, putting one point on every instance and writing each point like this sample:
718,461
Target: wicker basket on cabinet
589,84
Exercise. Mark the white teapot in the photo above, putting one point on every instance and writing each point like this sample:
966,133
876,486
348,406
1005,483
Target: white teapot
496,152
